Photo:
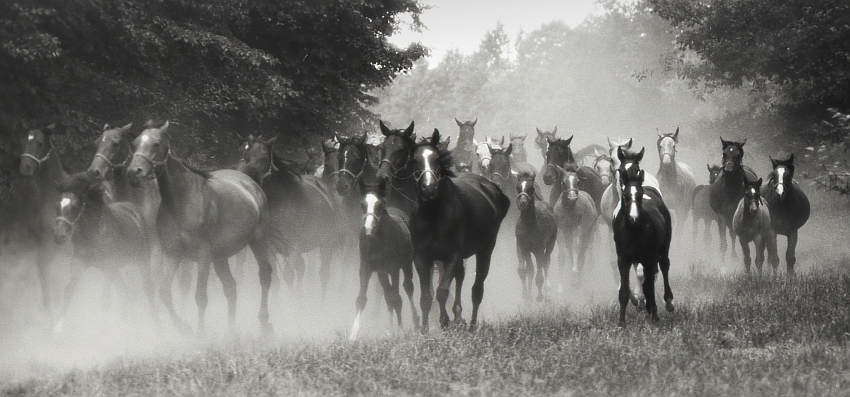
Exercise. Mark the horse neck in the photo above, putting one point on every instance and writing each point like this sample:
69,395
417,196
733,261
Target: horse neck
519,154
669,171
123,190
92,217
51,173
178,185
528,215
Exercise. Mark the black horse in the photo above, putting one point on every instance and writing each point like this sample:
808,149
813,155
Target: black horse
788,204
396,167
559,154
454,218
293,199
536,232
728,190
702,206
642,234
385,249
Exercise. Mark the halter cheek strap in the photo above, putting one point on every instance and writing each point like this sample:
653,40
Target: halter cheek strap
110,163
153,163
36,159
72,223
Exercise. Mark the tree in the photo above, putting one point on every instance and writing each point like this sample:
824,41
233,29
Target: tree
216,67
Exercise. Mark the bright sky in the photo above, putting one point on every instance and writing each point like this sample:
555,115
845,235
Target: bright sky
462,24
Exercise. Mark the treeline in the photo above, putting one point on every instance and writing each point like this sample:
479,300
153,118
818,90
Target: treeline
217,68
764,69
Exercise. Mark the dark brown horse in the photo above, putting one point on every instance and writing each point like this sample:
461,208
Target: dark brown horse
675,179
642,233
42,174
205,217
464,152
728,190
788,204
396,167
385,249
751,223
576,215
104,234
454,218
702,207
542,140
536,232
559,155
301,209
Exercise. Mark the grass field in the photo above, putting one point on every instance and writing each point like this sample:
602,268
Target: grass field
730,335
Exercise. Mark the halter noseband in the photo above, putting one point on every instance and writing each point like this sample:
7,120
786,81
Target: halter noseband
74,222
36,159
153,163
110,163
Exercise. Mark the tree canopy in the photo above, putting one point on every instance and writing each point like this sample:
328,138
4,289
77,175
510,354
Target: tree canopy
217,68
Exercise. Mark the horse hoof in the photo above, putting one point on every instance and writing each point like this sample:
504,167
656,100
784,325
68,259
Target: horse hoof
267,330
472,327
540,298
669,307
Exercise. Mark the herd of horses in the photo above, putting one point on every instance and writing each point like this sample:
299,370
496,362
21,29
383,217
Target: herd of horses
414,203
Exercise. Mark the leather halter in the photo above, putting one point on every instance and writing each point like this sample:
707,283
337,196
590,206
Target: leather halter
153,163
110,163
36,159
74,222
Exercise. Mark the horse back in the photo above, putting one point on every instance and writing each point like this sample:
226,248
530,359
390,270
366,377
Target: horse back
791,213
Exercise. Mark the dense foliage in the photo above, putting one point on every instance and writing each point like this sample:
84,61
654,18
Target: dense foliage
217,68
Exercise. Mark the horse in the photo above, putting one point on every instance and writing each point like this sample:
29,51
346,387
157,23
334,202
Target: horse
604,166
482,151
728,190
588,154
397,167
520,155
610,201
42,172
455,217
329,169
205,217
560,155
576,214
788,204
536,232
464,152
675,178
701,206
385,248
104,234
642,234
542,140
751,223
293,199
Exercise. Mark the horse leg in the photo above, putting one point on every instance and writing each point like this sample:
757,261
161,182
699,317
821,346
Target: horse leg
664,265
165,294
114,274
790,252
482,268
648,284
459,275
760,246
201,294
263,254
389,284
586,244
70,289
325,256
299,267
42,258
772,255
407,270
423,269
222,270
147,285
625,293
745,250
523,271
639,298
562,254
540,277
360,304
721,232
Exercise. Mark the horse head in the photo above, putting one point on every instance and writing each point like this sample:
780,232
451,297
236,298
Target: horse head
353,159
37,149
75,192
257,157
783,174
612,149
526,193
713,172
374,207
482,151
467,131
543,137
152,151
752,195
113,151
733,155
430,165
500,164
632,193
604,166
667,147
629,160
570,183
397,150
558,154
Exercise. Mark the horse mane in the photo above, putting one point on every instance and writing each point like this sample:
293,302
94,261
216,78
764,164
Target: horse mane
287,171
444,158
526,174
206,174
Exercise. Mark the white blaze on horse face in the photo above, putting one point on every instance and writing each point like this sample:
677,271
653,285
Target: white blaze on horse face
633,208
428,174
780,180
145,138
370,219
30,137
64,203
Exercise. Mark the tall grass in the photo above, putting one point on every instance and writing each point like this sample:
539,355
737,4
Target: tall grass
755,336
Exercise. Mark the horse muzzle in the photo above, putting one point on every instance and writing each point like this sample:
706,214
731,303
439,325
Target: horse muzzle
666,158
728,167
548,178
606,180
780,190
27,168
61,231
522,201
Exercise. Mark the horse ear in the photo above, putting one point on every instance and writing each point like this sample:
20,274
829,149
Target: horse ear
620,154
611,145
125,128
758,183
724,142
744,142
555,130
502,144
630,143
384,130
523,136
512,136
474,121
409,131
708,166
676,135
641,174
490,148
363,138
539,132
550,139
336,137
274,138
164,127
640,154
459,124
791,158
435,138
509,149
474,142
772,161
570,139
